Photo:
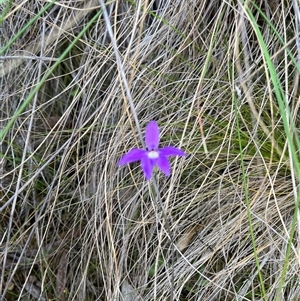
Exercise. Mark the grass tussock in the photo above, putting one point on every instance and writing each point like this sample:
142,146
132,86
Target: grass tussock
221,79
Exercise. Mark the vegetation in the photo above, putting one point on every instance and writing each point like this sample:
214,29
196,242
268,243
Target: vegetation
80,80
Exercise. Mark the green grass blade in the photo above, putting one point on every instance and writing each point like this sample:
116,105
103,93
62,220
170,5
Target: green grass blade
20,32
289,128
25,103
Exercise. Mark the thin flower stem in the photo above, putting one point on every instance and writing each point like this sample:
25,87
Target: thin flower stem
158,204
156,199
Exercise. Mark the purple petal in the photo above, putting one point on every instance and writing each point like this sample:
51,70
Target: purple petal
152,135
171,151
147,166
135,154
164,165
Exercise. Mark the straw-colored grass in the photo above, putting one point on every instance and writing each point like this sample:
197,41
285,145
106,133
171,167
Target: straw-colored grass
80,80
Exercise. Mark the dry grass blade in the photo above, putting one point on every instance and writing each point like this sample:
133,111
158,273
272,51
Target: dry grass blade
46,40
75,226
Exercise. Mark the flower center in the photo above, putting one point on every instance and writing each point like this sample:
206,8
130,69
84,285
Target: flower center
153,154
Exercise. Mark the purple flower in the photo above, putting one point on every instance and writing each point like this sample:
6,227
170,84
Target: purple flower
153,155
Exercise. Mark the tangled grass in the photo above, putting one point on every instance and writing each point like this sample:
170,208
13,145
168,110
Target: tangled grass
77,88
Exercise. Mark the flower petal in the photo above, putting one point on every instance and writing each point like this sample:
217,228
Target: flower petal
135,154
152,135
164,165
171,151
147,166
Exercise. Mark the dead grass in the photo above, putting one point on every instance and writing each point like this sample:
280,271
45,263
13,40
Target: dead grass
74,226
